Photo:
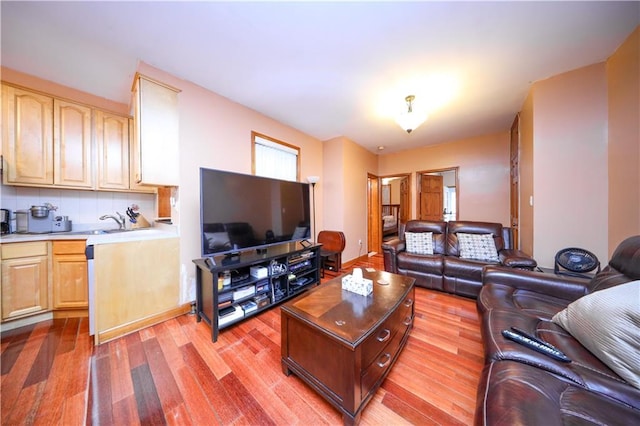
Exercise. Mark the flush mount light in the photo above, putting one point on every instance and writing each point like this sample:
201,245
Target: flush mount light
410,119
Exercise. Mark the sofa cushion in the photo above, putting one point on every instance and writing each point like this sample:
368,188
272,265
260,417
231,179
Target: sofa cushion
512,393
438,229
419,242
521,301
607,323
585,369
477,246
469,227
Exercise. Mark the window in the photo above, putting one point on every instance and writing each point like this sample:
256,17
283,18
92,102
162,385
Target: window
273,158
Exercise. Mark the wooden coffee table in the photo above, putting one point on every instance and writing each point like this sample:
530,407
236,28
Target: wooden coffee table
343,344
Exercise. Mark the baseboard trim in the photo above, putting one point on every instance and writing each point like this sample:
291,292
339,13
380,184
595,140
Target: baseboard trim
71,313
137,325
21,322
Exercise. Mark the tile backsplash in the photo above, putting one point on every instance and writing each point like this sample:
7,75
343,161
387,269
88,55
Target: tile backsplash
84,208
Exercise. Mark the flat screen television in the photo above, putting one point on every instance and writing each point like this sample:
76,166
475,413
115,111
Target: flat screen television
240,212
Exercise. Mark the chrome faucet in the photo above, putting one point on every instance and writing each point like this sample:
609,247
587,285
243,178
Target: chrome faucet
119,220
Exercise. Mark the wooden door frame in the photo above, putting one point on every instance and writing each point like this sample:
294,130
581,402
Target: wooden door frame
514,175
374,214
419,175
400,176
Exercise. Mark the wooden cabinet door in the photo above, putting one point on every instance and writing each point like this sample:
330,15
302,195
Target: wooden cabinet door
27,143
70,279
24,286
156,138
112,139
70,288
72,145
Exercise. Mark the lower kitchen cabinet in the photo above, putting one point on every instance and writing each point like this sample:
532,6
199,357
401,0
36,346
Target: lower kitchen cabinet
135,284
70,287
25,279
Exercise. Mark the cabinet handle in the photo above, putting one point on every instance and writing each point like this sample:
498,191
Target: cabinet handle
408,303
384,336
407,321
387,358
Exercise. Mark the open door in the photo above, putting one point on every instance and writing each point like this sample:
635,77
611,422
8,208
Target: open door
374,217
431,197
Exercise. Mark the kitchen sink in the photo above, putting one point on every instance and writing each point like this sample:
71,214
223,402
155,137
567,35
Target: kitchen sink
100,231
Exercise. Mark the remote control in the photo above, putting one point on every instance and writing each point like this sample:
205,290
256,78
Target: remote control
532,344
534,338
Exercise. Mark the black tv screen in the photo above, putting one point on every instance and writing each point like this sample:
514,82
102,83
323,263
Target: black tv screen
240,212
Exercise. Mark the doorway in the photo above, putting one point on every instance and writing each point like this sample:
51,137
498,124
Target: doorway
395,204
374,239
438,194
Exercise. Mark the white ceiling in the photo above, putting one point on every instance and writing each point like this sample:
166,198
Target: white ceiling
324,68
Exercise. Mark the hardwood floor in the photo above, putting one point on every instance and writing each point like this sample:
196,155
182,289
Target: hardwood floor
172,373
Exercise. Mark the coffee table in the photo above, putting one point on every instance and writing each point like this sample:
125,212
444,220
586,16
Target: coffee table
343,344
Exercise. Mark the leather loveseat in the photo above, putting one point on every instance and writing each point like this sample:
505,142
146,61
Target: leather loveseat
444,266
601,383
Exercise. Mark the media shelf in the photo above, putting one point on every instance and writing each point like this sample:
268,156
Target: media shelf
231,289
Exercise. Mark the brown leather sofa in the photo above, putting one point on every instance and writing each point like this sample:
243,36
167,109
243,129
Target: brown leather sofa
520,386
445,270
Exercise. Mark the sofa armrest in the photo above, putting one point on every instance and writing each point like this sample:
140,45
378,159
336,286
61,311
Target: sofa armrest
390,250
563,287
517,259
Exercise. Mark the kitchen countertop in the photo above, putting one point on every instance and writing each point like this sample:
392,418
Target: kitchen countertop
118,237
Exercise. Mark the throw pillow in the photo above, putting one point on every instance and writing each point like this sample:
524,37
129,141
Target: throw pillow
477,246
419,242
607,323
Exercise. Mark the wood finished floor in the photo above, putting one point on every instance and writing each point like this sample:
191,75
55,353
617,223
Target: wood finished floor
172,373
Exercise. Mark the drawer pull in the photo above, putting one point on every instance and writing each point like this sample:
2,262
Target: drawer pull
387,358
408,303
407,321
384,336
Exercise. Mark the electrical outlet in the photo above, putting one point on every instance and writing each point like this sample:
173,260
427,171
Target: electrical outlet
359,242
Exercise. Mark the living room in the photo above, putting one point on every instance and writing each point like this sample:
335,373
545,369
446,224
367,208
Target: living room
579,159
592,101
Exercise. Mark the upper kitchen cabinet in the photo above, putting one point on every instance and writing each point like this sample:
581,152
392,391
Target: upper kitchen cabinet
27,137
72,165
112,140
45,141
155,149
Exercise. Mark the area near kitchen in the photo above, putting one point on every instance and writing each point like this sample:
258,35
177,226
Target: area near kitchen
89,208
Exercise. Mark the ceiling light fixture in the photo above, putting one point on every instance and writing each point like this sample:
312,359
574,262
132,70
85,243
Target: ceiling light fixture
410,119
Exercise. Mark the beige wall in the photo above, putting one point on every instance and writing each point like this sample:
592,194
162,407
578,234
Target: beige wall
570,163
623,79
483,173
346,165
34,83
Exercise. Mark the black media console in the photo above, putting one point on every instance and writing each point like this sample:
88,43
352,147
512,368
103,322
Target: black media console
232,288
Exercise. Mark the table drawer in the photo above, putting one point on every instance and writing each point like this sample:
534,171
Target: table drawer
379,339
381,364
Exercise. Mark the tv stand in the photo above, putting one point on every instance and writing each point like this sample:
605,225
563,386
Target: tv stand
230,289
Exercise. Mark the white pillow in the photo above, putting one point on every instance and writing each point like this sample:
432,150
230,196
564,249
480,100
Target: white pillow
607,323
477,246
419,242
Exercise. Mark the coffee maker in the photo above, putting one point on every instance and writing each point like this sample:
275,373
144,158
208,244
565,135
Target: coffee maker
5,221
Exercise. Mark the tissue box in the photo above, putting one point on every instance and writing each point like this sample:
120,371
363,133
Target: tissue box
362,287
